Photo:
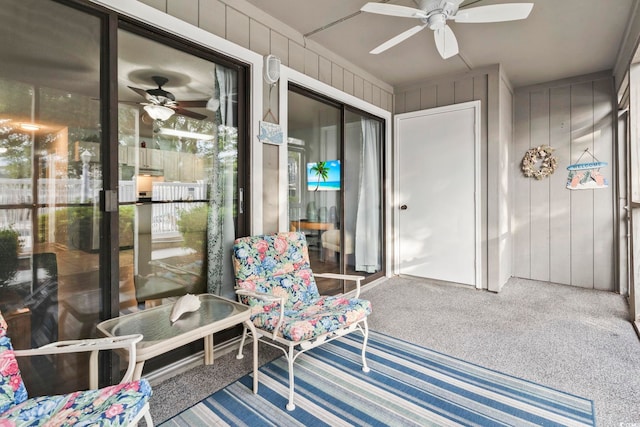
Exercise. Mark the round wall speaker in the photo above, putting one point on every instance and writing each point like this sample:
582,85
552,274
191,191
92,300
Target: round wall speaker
271,69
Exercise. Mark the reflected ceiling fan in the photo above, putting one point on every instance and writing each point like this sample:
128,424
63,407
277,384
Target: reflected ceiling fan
434,14
162,104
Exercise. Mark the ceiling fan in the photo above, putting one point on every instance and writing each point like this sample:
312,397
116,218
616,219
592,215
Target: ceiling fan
162,104
434,14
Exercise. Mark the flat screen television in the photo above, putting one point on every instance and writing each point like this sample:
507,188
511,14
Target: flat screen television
315,180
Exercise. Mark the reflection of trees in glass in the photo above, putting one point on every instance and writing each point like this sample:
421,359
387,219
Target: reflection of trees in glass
321,170
9,248
192,224
15,152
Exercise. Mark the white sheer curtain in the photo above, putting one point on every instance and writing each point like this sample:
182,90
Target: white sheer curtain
367,241
220,227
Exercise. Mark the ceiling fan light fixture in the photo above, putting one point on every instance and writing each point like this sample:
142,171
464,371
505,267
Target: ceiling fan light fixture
159,112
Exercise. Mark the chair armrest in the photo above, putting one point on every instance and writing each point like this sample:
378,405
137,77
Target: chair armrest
94,346
267,298
259,295
351,277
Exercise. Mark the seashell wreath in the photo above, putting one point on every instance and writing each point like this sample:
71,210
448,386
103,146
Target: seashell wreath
531,158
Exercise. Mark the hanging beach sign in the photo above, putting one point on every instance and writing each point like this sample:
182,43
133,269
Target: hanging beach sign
586,175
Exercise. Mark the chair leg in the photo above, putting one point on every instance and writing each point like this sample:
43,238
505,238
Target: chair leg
148,420
244,337
365,332
290,359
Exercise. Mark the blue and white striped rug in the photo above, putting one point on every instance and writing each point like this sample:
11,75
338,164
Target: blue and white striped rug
408,385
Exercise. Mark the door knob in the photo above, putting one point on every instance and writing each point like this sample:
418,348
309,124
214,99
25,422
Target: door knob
403,207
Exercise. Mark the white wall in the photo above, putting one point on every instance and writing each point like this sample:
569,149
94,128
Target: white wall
560,235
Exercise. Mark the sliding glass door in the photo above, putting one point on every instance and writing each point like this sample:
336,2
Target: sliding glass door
178,173
335,174
51,169
121,175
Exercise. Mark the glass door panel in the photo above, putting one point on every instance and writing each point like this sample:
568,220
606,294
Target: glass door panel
178,173
315,197
50,180
335,169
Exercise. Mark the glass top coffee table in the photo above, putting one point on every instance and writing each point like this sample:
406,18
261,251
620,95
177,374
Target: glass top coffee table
160,335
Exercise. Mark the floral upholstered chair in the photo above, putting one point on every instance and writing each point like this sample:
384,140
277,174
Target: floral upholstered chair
118,405
274,277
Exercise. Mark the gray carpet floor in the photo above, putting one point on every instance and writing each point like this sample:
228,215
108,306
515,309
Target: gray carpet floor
571,339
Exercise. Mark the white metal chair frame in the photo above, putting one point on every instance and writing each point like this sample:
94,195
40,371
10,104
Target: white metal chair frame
293,349
94,346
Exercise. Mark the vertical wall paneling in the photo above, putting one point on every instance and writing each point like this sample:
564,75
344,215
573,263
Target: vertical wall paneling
358,87
259,40
412,101
237,28
622,277
559,195
296,56
429,97
337,76
280,47
572,229
400,102
446,93
489,98
325,70
539,189
505,252
311,64
271,216
582,238
158,4
213,17
348,82
245,24
491,256
367,93
376,94
521,188
463,91
186,10
603,203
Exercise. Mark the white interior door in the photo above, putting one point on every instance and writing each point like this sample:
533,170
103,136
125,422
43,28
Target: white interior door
438,185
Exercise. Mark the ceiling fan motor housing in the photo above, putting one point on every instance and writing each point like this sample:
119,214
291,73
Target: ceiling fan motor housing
436,21
434,7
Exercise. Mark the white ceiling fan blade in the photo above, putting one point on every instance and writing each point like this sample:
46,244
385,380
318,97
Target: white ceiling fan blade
494,13
393,10
446,42
397,39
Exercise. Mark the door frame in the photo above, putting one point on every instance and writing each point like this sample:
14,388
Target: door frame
398,118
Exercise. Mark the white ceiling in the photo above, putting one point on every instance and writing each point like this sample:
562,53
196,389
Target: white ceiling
560,39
